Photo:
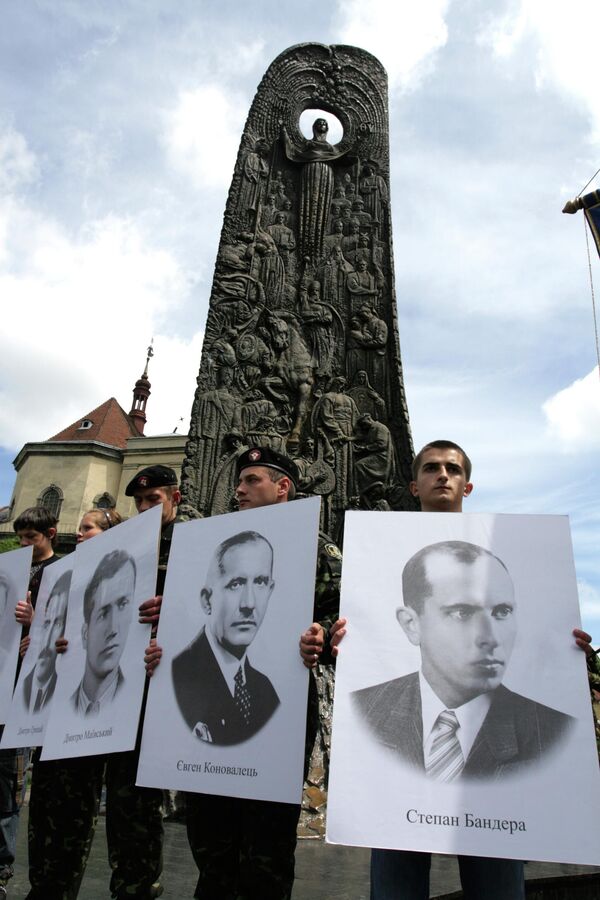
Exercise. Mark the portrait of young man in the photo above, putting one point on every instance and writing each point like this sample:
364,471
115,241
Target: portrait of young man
454,718
107,616
222,697
39,684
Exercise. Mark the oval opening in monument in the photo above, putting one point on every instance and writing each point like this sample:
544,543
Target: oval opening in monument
336,129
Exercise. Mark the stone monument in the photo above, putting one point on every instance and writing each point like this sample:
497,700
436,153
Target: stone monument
301,350
302,340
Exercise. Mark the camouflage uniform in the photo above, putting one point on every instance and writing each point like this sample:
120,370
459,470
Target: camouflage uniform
63,810
593,667
244,849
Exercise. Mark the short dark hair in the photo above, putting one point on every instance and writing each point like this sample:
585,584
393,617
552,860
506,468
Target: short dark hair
62,585
415,586
243,537
441,445
275,475
38,518
108,566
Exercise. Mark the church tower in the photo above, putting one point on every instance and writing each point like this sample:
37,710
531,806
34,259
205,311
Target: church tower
141,392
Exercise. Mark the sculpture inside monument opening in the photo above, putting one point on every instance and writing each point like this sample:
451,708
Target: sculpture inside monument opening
301,349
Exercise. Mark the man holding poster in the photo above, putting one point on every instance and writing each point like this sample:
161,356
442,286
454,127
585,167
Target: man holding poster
246,847
447,596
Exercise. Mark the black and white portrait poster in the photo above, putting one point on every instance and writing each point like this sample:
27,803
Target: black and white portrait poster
28,713
226,711
14,578
462,720
101,677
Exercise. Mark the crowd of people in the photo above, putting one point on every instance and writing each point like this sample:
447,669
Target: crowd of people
244,849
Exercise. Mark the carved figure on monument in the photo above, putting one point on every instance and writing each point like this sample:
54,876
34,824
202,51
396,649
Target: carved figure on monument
334,275
316,476
374,458
253,169
305,245
374,192
268,211
334,239
256,408
374,497
366,397
339,202
212,419
222,498
351,240
366,346
361,286
284,239
317,319
334,418
358,212
316,186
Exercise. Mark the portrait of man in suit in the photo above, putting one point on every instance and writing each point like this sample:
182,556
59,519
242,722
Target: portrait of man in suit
39,684
222,697
6,609
454,718
107,615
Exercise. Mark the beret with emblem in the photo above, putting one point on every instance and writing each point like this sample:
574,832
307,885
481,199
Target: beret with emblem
265,456
151,477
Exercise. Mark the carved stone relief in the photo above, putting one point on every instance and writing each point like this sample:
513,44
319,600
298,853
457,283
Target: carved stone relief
301,349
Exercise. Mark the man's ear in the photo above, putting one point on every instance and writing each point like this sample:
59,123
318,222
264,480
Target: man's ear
51,533
283,486
84,635
413,488
205,595
176,496
408,619
468,489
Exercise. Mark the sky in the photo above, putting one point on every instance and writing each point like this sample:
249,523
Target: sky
120,122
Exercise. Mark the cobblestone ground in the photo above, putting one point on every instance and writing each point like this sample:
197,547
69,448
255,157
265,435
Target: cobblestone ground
323,872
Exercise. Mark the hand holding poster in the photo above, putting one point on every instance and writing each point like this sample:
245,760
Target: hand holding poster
226,709
14,577
462,715
101,678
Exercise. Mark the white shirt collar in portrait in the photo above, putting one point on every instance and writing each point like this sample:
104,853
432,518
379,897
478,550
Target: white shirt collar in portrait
470,716
228,664
105,698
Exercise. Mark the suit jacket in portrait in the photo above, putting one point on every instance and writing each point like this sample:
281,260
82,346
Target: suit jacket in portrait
204,697
28,688
515,732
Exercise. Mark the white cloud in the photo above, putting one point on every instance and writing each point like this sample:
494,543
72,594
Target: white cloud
203,134
565,35
589,600
573,414
81,308
403,34
18,165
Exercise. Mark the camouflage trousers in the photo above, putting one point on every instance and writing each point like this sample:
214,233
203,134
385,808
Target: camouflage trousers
9,811
63,811
244,849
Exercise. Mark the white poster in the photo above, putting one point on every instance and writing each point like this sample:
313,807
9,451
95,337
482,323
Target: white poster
462,720
28,714
14,579
226,710
101,677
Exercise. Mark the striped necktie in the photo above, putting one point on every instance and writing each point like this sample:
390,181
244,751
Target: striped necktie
241,696
445,760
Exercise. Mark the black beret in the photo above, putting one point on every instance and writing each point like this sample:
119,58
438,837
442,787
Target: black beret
151,477
265,456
